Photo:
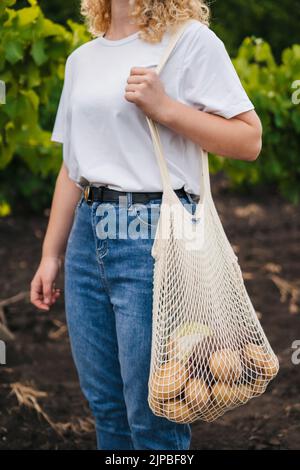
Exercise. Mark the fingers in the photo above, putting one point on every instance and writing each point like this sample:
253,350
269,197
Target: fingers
139,79
139,71
135,79
144,89
141,74
43,294
130,88
47,290
134,96
133,88
36,294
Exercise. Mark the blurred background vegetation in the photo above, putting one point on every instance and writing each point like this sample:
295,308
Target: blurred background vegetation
262,38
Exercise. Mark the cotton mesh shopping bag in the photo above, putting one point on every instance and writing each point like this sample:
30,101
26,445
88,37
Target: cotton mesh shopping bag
209,352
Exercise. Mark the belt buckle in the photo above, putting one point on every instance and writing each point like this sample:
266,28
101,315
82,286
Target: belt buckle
87,193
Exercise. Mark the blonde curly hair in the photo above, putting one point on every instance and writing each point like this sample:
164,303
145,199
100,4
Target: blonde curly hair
153,17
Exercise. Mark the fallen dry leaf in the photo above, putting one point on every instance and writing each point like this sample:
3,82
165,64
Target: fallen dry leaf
289,290
249,211
28,396
272,268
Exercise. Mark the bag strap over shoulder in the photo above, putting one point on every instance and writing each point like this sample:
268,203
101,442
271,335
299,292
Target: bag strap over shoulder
176,33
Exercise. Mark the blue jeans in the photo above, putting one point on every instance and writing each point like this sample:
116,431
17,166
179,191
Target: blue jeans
108,300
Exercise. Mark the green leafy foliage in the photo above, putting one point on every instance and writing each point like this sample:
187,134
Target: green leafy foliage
270,87
57,10
276,22
33,51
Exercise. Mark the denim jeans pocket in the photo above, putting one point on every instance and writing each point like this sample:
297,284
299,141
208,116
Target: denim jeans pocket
79,203
148,214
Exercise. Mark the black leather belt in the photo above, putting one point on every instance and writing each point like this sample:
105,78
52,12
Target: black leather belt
104,194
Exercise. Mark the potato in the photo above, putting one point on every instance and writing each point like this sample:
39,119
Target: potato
259,386
168,381
225,365
197,394
265,363
224,395
200,357
156,406
178,410
255,355
244,393
270,369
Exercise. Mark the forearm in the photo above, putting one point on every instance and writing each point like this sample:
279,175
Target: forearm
65,198
234,138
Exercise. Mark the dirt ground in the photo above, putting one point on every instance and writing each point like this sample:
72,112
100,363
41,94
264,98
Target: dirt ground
265,233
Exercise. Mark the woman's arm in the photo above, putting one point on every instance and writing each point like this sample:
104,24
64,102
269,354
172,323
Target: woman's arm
239,137
65,198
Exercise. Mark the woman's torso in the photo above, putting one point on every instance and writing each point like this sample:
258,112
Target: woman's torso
106,138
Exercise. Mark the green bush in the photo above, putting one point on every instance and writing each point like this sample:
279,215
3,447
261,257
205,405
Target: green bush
270,87
276,22
58,11
33,51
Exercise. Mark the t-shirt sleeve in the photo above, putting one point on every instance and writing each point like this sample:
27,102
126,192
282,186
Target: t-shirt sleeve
61,130
60,124
209,80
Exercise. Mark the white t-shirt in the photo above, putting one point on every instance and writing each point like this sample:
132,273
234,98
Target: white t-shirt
106,139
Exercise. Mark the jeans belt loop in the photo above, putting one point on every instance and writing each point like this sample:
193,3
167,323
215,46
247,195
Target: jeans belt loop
129,199
101,188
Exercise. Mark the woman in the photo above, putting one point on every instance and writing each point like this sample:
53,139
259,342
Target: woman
109,88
